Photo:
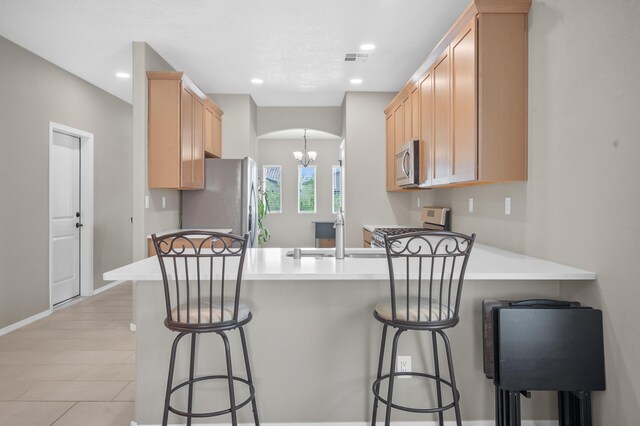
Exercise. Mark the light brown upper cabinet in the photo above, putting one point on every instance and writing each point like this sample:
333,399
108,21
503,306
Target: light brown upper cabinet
472,104
184,126
391,150
441,119
415,112
426,122
399,126
213,133
463,153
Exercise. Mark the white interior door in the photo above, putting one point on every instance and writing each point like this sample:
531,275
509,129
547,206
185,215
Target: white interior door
65,217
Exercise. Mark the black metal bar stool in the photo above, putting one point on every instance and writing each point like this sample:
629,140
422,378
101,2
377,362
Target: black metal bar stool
195,266
432,265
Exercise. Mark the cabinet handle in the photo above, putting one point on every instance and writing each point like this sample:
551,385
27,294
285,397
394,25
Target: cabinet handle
404,163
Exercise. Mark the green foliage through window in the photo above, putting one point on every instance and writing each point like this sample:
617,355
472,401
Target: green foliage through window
273,187
307,189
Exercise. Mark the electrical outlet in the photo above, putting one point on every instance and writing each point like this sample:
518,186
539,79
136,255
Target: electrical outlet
470,204
164,202
403,365
507,205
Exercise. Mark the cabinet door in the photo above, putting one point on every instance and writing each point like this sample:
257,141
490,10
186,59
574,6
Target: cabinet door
217,136
415,113
198,144
398,125
391,152
208,132
464,129
186,140
441,119
407,119
426,128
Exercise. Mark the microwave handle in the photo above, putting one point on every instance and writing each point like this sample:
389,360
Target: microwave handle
404,163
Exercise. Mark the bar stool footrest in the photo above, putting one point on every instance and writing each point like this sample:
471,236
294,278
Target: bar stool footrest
252,392
456,394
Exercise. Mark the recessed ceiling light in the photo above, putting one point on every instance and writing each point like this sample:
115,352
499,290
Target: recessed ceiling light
122,75
257,81
356,81
367,46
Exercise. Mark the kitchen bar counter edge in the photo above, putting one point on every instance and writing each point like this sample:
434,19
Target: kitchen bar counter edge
271,264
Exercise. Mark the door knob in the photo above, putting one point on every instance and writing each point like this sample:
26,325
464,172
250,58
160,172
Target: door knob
78,225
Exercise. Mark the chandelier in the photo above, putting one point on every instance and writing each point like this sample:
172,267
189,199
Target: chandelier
305,157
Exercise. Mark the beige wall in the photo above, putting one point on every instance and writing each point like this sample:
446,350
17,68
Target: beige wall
366,200
580,205
239,138
327,119
35,92
155,218
290,228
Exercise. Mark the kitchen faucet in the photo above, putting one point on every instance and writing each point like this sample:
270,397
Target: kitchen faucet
339,226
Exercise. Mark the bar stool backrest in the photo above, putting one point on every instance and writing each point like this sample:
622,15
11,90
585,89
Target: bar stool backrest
202,274
427,267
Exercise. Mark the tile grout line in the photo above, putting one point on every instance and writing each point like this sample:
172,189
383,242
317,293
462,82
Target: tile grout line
62,415
119,392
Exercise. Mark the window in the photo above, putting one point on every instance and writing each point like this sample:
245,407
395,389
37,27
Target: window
336,194
273,187
306,189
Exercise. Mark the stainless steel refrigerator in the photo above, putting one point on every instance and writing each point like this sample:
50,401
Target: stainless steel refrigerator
229,200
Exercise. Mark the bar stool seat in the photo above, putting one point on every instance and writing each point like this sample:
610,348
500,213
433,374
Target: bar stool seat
421,310
209,312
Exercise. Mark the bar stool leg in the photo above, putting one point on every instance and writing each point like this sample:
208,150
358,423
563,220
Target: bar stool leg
454,390
232,394
436,362
585,408
172,364
249,377
392,369
378,375
498,407
192,366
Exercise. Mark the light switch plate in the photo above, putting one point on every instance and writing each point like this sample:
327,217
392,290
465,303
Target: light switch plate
164,202
507,205
146,201
470,204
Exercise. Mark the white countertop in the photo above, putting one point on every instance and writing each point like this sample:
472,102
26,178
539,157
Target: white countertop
485,264
171,231
372,228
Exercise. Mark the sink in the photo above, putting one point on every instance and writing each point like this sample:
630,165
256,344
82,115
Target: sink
313,253
366,255
352,253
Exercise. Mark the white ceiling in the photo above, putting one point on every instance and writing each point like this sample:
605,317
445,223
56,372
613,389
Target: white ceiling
296,46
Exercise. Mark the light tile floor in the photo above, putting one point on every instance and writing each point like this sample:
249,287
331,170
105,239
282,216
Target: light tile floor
73,368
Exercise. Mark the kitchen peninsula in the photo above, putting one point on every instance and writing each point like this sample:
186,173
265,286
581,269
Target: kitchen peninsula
314,343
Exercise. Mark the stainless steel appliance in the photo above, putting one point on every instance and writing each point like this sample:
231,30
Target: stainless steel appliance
408,165
229,200
434,218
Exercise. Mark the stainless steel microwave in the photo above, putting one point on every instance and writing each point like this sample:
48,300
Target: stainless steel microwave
408,164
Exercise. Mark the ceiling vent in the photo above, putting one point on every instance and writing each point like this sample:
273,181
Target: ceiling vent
356,57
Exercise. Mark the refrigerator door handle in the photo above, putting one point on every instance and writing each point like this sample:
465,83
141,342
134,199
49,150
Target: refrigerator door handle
252,206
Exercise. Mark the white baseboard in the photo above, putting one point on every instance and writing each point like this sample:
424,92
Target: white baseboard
26,321
432,423
108,287
43,314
